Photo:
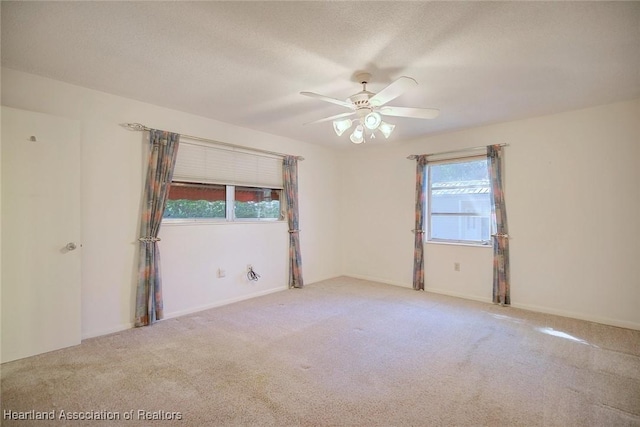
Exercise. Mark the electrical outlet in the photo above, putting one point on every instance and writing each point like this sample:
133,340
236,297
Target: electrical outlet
222,273
456,266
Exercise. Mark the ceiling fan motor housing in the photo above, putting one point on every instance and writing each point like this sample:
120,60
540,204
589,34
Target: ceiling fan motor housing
360,102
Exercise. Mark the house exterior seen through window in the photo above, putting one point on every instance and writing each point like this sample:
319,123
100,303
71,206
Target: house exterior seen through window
195,200
222,202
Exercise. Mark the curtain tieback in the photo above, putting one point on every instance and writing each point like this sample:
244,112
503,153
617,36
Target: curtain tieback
418,231
294,231
149,239
502,235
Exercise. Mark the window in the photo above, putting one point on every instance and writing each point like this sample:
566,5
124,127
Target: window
260,203
224,184
189,200
459,201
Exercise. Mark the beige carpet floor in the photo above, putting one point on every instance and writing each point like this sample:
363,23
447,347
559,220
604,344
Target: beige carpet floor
342,352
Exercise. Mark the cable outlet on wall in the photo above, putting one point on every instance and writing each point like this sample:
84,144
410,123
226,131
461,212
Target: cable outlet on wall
456,266
249,267
222,272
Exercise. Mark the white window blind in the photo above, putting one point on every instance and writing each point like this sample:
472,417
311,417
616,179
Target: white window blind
230,166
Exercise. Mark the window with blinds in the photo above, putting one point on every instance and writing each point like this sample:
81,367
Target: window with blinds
225,184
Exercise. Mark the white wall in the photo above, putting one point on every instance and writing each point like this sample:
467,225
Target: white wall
113,167
572,186
192,255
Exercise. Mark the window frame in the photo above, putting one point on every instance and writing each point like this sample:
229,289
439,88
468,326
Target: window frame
231,206
230,216
428,203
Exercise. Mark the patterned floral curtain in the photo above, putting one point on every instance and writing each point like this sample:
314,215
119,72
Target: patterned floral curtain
501,286
290,170
418,254
162,158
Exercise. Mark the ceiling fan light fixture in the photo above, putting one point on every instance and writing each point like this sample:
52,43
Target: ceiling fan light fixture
372,120
357,137
341,125
386,128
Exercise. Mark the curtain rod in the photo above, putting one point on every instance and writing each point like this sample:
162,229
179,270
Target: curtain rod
142,128
415,156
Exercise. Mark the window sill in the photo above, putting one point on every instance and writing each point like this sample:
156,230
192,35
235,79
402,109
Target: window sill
181,222
473,245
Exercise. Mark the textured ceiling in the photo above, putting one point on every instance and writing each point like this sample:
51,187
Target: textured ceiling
246,62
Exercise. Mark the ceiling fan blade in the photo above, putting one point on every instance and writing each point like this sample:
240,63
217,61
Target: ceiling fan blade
394,90
328,99
337,116
417,113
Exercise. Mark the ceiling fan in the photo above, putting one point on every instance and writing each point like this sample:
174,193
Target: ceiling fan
369,108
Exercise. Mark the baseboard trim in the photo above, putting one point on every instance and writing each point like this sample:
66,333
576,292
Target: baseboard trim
589,318
458,295
530,307
119,328
223,302
321,279
378,280
427,289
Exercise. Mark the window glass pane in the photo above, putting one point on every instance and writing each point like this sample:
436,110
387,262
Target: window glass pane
459,202
460,228
257,203
467,170
187,200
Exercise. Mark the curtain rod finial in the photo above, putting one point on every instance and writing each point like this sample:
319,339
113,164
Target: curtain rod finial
133,126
